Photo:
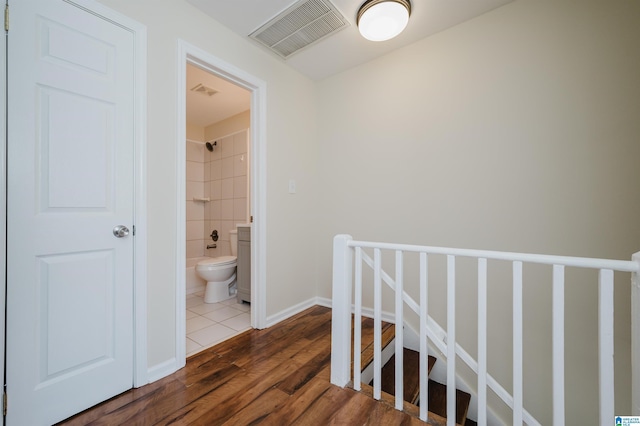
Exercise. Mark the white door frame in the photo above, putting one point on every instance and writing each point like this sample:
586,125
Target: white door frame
139,32
3,199
257,178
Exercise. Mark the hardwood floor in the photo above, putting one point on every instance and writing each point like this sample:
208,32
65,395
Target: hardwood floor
276,376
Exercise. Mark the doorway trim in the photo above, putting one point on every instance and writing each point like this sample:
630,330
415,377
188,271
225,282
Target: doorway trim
188,53
139,32
3,198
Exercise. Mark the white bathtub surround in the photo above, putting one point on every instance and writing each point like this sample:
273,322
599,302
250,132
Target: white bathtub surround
195,210
226,184
216,198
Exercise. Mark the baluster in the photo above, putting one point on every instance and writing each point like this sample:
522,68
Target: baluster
451,340
482,342
424,348
357,322
558,344
377,325
399,325
635,338
605,342
517,344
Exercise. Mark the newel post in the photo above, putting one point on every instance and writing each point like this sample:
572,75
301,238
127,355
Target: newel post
635,338
341,311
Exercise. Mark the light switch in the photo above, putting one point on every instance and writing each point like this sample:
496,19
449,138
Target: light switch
292,186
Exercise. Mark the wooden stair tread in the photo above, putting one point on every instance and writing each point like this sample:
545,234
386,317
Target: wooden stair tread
437,391
411,409
411,375
438,401
388,334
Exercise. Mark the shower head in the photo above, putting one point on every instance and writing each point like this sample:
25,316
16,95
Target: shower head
210,145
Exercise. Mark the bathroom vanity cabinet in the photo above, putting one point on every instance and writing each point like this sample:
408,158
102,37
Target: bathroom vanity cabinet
244,264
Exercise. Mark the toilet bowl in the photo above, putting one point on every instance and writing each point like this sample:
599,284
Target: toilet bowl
219,272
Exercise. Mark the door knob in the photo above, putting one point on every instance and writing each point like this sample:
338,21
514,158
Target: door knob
120,231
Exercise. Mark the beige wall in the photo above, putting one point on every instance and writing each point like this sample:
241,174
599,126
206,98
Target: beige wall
518,131
290,153
195,133
228,126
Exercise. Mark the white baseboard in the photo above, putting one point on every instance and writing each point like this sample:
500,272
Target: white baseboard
291,311
163,369
323,301
366,312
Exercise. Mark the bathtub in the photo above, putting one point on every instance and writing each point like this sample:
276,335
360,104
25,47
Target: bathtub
194,283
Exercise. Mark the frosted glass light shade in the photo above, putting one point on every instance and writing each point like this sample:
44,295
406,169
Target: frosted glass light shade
380,20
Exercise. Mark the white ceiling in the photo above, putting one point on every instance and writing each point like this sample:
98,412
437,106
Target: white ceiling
346,48
203,110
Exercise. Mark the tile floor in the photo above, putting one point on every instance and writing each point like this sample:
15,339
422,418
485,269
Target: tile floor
211,323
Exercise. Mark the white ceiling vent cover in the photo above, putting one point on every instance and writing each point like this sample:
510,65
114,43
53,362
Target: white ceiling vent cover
299,26
201,88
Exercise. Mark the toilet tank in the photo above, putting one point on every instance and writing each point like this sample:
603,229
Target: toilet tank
233,239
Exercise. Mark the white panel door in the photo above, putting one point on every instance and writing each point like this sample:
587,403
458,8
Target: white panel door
70,182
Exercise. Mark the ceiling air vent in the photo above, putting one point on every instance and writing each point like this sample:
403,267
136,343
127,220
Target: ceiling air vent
201,88
299,26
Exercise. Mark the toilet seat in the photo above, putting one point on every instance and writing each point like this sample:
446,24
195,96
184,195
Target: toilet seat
217,261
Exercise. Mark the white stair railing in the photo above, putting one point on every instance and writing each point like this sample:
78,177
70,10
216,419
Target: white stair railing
345,281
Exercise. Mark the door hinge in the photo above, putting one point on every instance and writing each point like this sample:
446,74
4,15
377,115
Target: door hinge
4,404
251,219
6,17
133,230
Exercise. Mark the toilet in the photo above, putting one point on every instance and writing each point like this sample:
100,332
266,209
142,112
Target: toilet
219,272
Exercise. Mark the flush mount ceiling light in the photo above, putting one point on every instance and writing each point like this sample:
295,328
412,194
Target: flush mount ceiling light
380,20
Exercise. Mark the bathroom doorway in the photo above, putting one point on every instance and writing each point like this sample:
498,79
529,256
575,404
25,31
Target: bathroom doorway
218,120
220,167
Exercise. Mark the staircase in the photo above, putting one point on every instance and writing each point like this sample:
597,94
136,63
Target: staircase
437,391
358,275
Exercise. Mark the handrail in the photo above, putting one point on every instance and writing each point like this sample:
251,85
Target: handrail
345,246
547,259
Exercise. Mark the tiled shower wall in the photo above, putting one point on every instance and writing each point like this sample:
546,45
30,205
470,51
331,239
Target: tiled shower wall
221,176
